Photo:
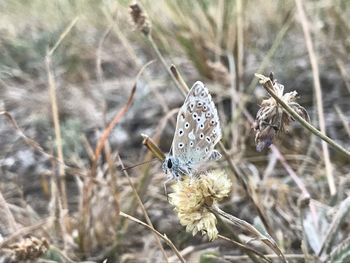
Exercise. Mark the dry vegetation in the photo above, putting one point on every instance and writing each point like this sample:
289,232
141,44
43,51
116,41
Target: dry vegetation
80,83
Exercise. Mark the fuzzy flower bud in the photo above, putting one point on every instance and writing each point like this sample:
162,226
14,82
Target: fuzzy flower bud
193,196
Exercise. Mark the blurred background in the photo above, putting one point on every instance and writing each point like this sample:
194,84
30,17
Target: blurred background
71,213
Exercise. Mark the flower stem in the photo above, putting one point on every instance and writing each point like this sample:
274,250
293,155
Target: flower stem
245,226
267,84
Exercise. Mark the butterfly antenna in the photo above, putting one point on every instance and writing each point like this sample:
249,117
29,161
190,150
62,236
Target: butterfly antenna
131,167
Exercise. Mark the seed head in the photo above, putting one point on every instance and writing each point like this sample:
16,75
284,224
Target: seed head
272,118
140,19
193,196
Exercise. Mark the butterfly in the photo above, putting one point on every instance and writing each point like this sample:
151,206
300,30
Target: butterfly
196,134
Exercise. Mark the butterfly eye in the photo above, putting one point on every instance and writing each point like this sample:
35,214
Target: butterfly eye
199,119
203,94
191,143
169,164
201,126
208,139
199,104
187,125
194,115
212,122
205,108
180,145
201,135
208,115
206,149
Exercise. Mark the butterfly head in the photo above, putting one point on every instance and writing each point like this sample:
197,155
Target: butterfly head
170,167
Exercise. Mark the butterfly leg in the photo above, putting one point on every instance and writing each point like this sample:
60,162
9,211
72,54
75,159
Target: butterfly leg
215,155
170,178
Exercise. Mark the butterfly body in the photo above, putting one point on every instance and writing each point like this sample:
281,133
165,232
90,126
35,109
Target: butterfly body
196,134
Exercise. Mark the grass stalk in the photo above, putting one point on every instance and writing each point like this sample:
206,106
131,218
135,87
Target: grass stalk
245,226
318,93
250,251
164,237
55,117
144,211
161,58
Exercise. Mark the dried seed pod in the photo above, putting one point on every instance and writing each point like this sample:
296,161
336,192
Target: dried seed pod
271,119
140,19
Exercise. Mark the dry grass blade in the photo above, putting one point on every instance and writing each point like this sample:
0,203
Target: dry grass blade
245,226
36,146
149,222
58,136
164,237
246,248
7,220
341,253
55,115
267,84
342,116
318,93
107,131
343,72
343,211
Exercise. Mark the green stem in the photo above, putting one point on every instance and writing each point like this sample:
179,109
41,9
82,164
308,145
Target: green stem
267,84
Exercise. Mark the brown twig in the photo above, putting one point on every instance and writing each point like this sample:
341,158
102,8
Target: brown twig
107,131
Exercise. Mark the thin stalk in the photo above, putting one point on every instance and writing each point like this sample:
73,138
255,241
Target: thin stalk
318,93
148,220
246,249
245,226
164,237
267,84
161,58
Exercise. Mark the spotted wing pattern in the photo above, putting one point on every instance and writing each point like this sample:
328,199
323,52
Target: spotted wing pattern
197,128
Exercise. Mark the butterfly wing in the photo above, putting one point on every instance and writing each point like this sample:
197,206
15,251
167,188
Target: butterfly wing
197,128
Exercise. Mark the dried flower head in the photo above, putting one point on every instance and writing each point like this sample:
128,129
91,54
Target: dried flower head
140,19
193,196
272,118
30,248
